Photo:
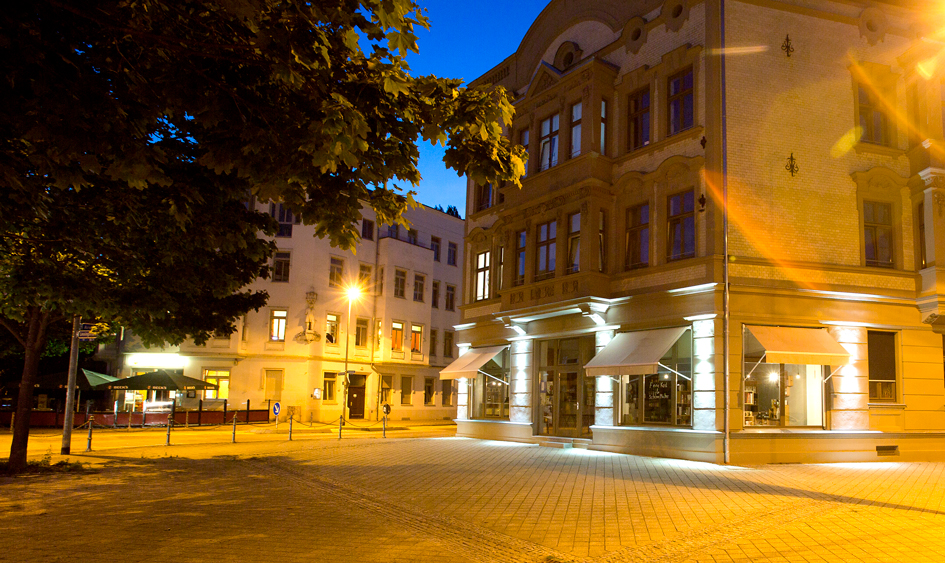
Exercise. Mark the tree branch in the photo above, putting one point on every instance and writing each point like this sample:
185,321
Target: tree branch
9,326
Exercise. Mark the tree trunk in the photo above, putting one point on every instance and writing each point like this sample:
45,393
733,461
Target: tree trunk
37,321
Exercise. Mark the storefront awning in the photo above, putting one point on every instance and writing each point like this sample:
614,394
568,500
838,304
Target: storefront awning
468,364
802,346
634,353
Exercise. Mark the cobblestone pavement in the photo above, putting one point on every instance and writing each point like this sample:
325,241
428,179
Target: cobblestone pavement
448,499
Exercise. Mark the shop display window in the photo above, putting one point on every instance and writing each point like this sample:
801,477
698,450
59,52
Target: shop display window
664,397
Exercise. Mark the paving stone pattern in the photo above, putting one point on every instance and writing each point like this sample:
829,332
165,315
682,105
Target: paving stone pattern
453,499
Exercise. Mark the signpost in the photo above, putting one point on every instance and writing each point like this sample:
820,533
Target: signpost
276,409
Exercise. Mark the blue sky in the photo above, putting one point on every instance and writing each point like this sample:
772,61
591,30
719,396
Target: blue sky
466,38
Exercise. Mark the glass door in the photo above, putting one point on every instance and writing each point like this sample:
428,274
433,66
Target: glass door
569,405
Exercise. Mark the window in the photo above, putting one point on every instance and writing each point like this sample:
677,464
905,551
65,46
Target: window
873,121
490,393
406,390
284,217
920,235
547,248
520,258
280,267
523,140
500,270
429,391
638,236
387,382
433,342
548,143
331,328
277,324
483,197
881,349
397,336
336,272
680,102
220,378
416,339
412,236
450,297
482,275
435,246
451,254
273,385
447,344
681,238
638,127
603,127
418,283
364,276
601,262
877,234
361,333
367,229
576,130
328,388
447,391
400,283
574,243
435,298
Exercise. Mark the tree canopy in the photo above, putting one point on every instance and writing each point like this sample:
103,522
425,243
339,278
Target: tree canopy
133,131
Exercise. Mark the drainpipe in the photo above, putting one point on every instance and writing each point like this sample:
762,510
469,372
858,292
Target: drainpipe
373,327
726,309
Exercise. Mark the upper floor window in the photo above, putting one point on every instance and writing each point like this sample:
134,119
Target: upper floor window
603,127
873,121
416,339
281,214
601,256
433,342
450,297
412,236
548,143
280,267
361,333
500,267
638,236
523,140
448,344
435,299
483,266
680,102
418,283
681,238
277,324
878,233
576,130
547,249
881,353
520,240
336,272
364,276
397,336
367,229
393,231
400,283
483,196
331,328
574,243
451,250
638,126
435,246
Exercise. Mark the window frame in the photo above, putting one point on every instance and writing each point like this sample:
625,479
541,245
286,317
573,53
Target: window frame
397,344
639,119
450,304
435,244
435,294
329,383
576,128
281,266
361,331
680,97
680,219
329,331
634,236
448,344
546,249
416,339
875,227
868,102
278,324
871,364
549,140
521,242
406,390
429,391
481,282
367,229
336,272
483,197
574,244
419,287
400,283
452,252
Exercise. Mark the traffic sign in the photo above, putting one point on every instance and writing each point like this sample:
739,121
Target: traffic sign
276,408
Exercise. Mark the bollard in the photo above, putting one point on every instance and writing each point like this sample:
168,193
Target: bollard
234,427
169,423
130,413
88,445
341,421
290,427
384,427
200,412
247,411
224,410
116,415
187,418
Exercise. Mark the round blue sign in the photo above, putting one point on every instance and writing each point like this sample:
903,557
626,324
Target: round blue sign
276,407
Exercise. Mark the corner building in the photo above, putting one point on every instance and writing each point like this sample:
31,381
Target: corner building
726,243
398,333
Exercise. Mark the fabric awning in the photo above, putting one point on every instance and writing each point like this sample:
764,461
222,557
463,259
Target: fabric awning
468,364
803,346
634,353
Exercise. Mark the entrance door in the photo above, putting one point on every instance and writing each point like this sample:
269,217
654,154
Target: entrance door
355,402
562,402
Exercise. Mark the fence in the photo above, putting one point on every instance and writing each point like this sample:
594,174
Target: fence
50,419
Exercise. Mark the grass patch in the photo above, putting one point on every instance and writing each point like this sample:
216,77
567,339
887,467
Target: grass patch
45,465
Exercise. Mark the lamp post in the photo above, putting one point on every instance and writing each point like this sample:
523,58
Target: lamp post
353,293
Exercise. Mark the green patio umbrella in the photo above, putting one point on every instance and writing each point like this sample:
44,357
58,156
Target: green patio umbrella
155,380
85,380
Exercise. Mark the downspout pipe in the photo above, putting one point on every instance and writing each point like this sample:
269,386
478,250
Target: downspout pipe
726,295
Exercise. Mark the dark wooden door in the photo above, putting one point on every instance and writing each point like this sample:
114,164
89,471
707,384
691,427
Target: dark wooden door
356,402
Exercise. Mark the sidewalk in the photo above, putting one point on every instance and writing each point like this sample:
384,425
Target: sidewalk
432,497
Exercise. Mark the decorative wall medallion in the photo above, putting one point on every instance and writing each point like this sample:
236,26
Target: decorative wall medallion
791,165
535,293
675,13
634,33
548,291
786,46
873,25
516,297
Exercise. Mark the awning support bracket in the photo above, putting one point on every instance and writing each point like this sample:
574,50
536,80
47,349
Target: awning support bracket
833,373
686,377
492,376
758,363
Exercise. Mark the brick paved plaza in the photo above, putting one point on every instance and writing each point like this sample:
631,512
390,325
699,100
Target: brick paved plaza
427,496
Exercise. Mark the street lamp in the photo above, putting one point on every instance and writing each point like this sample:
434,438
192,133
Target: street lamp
353,292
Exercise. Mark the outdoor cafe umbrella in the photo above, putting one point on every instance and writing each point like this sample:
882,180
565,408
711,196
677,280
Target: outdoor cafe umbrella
85,380
156,380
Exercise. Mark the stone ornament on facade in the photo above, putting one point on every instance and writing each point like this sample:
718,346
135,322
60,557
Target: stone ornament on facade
939,199
635,34
568,54
675,13
873,25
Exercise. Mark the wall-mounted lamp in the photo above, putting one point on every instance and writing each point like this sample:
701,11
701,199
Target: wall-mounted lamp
702,202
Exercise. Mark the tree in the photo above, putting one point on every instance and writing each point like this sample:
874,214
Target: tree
451,210
132,132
